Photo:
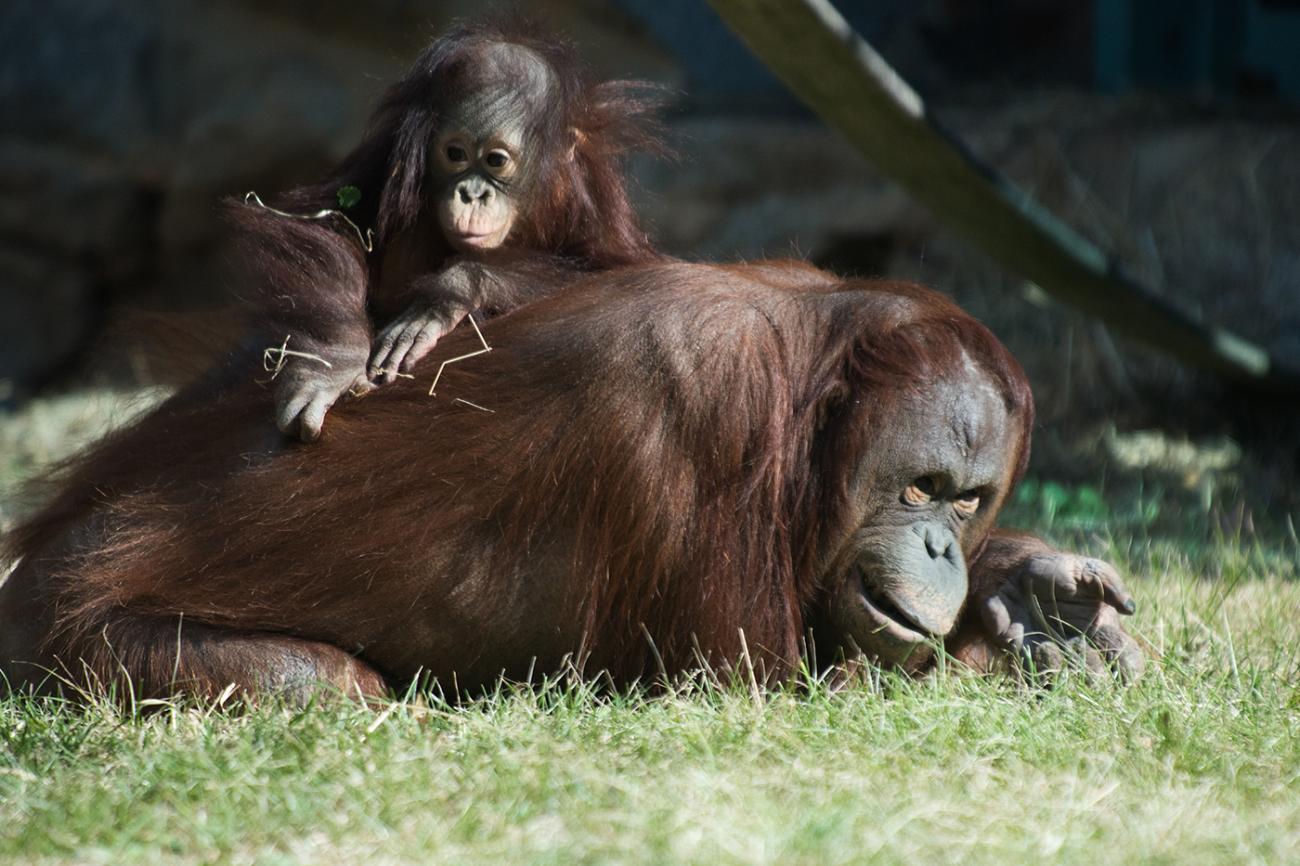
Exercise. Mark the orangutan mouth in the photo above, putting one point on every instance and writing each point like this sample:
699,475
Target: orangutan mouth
885,615
484,240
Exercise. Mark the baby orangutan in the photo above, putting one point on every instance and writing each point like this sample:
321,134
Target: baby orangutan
491,171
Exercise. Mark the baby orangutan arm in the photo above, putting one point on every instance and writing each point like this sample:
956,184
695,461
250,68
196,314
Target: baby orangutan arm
440,301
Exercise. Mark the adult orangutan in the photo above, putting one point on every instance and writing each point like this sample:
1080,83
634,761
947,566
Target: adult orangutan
659,467
490,173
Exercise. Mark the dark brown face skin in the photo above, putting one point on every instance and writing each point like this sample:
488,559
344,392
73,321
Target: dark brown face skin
936,478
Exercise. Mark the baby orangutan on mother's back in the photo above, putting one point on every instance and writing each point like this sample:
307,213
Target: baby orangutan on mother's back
490,172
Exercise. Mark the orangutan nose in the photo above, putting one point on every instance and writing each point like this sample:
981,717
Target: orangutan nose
938,542
475,190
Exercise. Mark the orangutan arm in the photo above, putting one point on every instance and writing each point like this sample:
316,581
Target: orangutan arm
305,286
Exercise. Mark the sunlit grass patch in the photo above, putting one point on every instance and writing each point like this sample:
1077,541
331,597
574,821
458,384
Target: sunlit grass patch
1198,762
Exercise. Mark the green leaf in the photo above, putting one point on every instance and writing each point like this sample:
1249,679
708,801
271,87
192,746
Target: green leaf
349,196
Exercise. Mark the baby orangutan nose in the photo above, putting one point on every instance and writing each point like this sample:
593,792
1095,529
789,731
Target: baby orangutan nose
473,190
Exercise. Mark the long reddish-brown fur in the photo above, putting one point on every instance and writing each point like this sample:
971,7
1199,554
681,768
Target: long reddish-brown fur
675,441
312,280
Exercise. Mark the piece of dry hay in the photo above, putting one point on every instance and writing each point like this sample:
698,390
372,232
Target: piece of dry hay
486,348
273,357
367,237
398,374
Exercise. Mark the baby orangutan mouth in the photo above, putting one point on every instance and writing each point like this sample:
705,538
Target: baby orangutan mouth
484,241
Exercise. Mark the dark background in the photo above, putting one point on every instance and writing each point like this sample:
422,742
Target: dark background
1167,131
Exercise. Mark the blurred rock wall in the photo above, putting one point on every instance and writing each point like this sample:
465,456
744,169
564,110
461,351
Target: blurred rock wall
1202,206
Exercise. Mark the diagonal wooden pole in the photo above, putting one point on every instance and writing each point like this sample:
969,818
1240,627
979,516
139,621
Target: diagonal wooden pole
810,46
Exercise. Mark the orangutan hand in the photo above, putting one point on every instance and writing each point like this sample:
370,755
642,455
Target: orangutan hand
1056,608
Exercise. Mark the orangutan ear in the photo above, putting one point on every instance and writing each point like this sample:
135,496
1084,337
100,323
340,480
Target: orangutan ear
578,139
830,401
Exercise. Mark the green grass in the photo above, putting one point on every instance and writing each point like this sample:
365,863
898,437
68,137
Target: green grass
1199,762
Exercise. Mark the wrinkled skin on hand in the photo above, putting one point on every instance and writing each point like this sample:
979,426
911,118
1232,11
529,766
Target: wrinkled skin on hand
411,336
439,302
1049,609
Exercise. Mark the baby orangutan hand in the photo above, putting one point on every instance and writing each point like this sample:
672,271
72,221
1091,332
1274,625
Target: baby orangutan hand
409,337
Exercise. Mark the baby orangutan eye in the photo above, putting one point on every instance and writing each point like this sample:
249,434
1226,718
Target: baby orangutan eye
967,503
920,491
500,162
456,153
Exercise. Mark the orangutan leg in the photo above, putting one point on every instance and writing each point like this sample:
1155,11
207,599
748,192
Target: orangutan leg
161,658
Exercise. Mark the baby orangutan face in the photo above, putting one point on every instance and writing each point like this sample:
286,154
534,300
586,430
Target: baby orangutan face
478,208
484,157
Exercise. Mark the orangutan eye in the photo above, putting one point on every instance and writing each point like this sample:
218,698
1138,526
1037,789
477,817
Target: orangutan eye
456,153
967,503
920,491
501,163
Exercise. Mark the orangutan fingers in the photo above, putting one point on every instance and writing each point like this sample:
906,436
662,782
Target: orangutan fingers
1049,577
288,410
1081,652
1037,649
1015,627
1070,618
378,365
403,335
1105,578
1061,611
995,613
312,419
424,341
1120,650
1041,655
1118,647
1059,578
1100,647
382,348
361,386
1050,613
1044,658
396,362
